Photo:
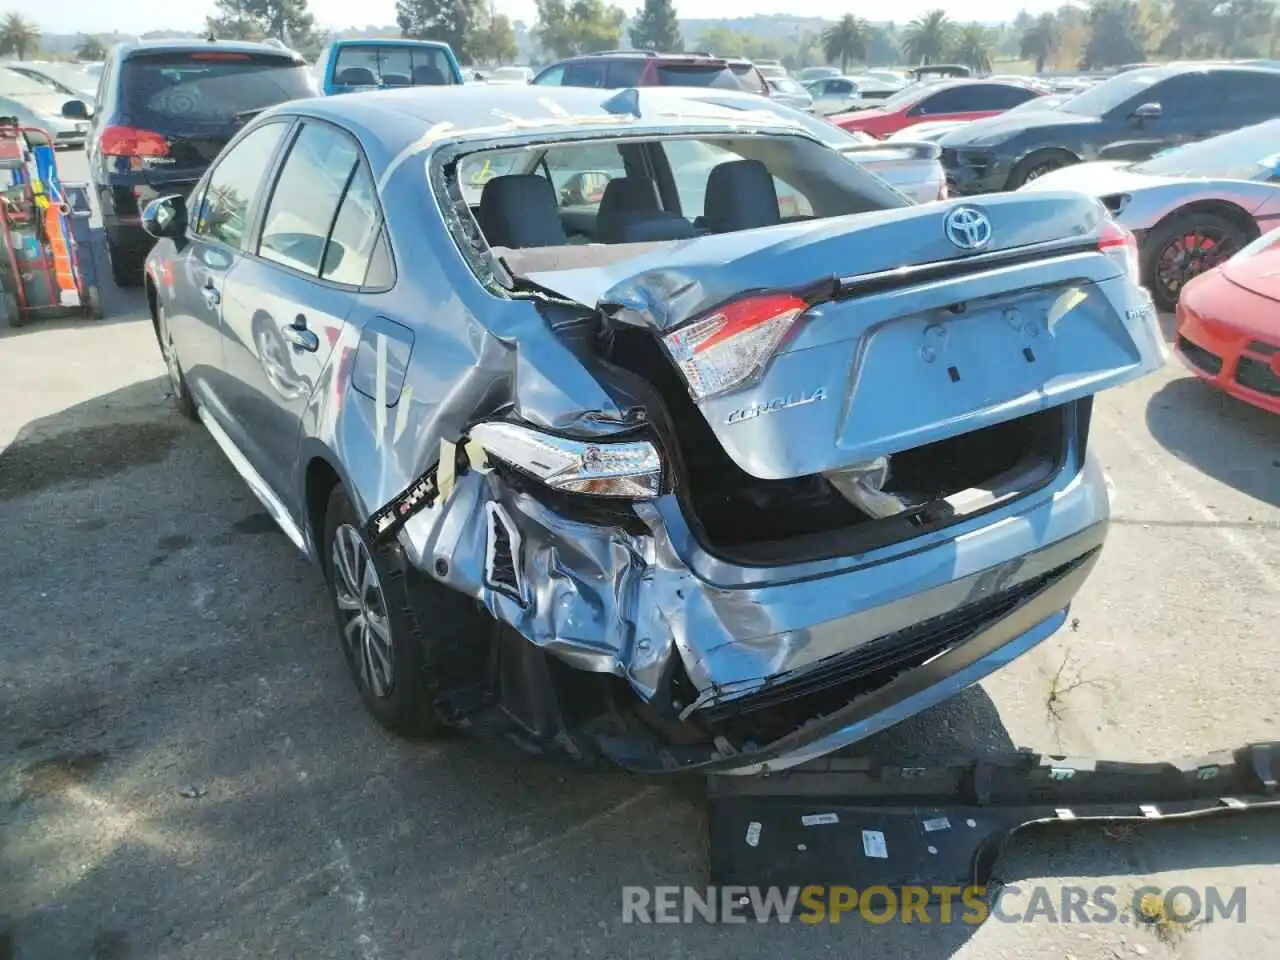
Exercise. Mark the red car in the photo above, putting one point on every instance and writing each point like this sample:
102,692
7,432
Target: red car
1228,324
948,100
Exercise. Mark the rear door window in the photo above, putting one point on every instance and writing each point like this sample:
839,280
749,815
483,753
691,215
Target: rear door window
584,73
697,75
750,78
208,88
626,73
1004,96
355,231
316,173
392,64
222,214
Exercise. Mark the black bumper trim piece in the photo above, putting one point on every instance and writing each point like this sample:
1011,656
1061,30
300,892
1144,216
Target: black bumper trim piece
948,825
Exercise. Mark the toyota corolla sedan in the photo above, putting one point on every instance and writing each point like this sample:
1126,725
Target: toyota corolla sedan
721,475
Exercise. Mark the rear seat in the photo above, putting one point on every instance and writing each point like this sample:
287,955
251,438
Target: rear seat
520,210
740,196
630,213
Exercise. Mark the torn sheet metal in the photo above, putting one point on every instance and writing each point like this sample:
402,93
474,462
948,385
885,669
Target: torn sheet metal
888,830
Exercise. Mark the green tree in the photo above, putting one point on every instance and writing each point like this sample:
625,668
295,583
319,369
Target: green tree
455,22
926,39
1115,35
1040,40
973,48
846,40
18,36
91,48
286,20
723,42
494,41
585,26
883,49
656,27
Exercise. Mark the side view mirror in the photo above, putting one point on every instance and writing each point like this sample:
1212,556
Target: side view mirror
585,187
1148,111
75,110
166,216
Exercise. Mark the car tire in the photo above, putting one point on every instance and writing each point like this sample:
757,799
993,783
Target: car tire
126,265
379,636
178,389
1182,237
1037,165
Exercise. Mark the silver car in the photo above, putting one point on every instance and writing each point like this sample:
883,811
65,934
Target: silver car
625,471
1191,207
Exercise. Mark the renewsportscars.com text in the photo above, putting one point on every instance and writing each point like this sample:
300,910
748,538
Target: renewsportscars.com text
939,904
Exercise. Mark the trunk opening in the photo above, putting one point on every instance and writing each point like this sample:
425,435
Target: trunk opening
747,520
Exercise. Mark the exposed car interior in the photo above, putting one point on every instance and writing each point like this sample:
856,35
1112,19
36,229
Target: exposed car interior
620,192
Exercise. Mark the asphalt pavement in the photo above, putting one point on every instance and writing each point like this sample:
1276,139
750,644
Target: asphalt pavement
186,770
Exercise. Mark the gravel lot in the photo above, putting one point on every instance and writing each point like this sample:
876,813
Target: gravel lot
186,771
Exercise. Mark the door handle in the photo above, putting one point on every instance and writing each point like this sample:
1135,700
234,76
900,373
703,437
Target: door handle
211,295
302,338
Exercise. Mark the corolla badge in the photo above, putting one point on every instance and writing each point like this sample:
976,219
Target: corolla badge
800,399
968,228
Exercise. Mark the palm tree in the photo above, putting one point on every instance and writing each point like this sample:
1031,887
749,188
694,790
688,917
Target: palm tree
846,40
926,39
973,48
17,35
1040,40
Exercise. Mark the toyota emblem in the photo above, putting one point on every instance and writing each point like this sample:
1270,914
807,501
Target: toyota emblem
968,228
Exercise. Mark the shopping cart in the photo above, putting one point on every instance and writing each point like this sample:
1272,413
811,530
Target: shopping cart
47,268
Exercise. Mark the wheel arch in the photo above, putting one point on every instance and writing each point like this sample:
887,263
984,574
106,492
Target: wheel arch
153,305
320,475
1233,212
1042,152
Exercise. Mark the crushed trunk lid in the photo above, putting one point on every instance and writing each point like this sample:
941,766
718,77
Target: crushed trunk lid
892,357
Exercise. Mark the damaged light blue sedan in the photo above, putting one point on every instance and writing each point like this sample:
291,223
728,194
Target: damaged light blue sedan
645,431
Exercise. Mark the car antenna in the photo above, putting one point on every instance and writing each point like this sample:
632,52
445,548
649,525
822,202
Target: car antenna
624,103
211,38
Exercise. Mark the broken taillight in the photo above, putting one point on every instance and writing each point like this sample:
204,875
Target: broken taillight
731,346
1121,246
630,469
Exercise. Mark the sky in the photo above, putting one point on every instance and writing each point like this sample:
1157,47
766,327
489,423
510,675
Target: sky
136,16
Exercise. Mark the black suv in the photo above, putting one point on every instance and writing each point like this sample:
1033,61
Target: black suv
1128,117
164,111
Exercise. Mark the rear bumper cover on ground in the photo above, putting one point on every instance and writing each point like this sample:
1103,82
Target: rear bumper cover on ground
854,823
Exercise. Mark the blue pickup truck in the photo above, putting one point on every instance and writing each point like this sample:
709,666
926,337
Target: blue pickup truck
345,66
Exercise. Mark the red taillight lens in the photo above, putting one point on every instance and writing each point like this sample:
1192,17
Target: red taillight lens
731,346
117,141
1121,246
221,56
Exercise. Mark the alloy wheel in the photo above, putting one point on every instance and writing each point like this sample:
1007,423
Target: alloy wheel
362,611
1190,255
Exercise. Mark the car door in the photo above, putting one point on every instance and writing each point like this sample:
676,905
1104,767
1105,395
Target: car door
191,290
285,303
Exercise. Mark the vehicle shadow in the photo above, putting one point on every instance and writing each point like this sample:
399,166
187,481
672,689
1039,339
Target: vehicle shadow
186,769
1220,436
118,304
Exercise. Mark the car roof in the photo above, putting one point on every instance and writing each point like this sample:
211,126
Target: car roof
388,42
645,54
126,50
389,122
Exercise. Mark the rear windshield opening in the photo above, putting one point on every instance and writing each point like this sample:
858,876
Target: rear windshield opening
697,75
209,87
609,192
392,65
